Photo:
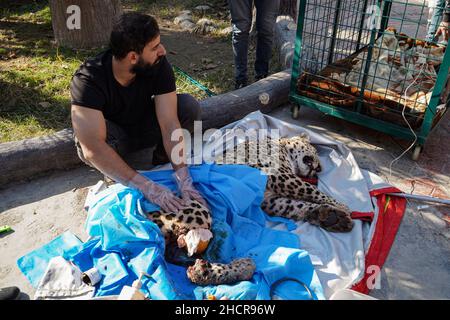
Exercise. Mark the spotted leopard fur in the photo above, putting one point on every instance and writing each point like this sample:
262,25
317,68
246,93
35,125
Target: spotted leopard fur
174,224
204,273
287,195
286,161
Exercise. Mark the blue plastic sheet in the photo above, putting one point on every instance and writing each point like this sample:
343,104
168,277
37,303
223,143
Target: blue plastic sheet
125,243
34,264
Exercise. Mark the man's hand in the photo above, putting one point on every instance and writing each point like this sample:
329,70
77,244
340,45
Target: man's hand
184,182
157,194
443,30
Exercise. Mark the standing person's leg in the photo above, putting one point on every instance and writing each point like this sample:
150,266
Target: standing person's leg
436,12
241,21
266,15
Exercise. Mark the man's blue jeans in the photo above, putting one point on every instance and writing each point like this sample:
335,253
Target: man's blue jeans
241,20
435,20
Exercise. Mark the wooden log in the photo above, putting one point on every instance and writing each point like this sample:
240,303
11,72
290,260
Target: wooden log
223,109
25,159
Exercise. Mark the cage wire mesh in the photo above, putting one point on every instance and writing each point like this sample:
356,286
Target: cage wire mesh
371,57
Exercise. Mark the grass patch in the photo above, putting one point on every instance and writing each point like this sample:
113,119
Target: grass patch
33,11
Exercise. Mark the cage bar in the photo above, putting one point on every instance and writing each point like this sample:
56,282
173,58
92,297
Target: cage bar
370,62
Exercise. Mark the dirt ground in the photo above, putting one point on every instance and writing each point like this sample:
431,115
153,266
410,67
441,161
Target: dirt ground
207,59
195,54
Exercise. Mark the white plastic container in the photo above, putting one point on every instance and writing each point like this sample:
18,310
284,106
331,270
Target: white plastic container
348,294
133,292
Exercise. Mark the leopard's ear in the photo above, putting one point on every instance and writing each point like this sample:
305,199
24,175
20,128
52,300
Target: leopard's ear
304,136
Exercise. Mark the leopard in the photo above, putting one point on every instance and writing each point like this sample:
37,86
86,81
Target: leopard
205,273
289,163
195,215
174,225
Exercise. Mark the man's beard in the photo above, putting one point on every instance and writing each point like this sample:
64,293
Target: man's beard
145,69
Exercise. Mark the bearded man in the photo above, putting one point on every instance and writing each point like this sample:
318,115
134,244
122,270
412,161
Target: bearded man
123,100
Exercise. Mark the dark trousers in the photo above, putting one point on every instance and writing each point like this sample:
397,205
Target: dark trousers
188,111
241,20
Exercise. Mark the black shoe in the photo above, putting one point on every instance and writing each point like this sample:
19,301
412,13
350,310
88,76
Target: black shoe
259,77
239,84
9,293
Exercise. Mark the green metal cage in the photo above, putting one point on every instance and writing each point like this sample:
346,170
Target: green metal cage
371,63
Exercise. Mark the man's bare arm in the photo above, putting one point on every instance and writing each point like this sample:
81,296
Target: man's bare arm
166,111
90,128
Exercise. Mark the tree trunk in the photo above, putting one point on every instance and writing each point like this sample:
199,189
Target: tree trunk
83,24
288,8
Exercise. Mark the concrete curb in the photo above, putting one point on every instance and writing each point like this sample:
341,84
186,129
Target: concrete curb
29,158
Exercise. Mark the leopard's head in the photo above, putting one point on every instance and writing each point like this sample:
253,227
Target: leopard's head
303,156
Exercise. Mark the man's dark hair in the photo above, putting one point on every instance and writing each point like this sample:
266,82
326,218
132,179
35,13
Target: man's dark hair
131,32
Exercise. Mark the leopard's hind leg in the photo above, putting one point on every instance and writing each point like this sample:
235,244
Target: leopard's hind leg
291,186
205,273
325,216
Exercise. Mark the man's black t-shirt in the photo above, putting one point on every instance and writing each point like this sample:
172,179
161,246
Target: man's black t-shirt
94,86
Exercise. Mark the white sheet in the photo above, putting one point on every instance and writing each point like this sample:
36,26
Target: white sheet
338,257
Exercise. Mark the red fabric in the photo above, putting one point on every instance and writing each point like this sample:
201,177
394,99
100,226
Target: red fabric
310,180
388,222
364,216
381,191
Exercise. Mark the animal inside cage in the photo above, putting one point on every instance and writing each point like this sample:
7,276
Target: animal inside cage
372,62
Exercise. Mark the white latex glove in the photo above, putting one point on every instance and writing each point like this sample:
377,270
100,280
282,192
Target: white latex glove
157,194
186,187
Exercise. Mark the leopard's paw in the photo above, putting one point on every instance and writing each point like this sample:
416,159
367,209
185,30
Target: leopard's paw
205,273
342,207
331,218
